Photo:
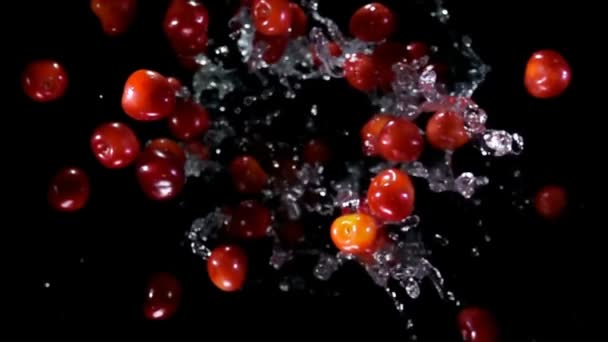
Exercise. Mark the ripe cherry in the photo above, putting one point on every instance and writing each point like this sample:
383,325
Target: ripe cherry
551,201
400,141
385,56
360,72
189,120
370,133
291,233
115,16
185,25
249,220
197,149
175,84
169,147
271,17
477,325
446,131
316,151
44,80
115,145
163,296
547,74
372,23
247,174
417,50
227,267
334,50
160,175
391,195
275,46
148,96
299,21
354,233
69,190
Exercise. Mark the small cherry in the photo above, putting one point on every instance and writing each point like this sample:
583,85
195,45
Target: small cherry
168,147
477,325
547,74
163,296
44,80
446,131
115,145
115,16
299,21
185,25
373,22
316,151
69,190
160,175
271,17
189,120
370,133
385,56
227,267
247,174
417,50
360,72
354,233
550,201
275,46
249,220
400,141
391,195
197,149
148,96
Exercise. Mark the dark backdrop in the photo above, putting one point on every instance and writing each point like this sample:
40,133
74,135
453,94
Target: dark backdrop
534,275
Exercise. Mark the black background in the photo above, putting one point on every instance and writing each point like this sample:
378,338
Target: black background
534,275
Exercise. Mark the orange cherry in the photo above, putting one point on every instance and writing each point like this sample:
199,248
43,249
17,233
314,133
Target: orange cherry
227,267
316,152
446,131
354,233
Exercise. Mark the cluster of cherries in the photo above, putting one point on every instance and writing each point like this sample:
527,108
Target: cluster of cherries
159,165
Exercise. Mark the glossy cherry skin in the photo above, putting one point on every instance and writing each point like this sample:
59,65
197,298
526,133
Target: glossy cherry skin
148,96
547,74
275,46
391,195
44,80
247,174
69,190
400,141
385,56
197,149
446,131
249,220
316,151
551,201
227,267
271,17
175,84
189,120
115,145
360,72
299,21
115,16
163,296
168,147
160,175
370,133
477,325
354,233
185,25
417,50
372,23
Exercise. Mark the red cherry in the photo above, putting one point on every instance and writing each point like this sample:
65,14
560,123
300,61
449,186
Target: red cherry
370,133
189,120
169,147
160,175
286,170
400,141
115,145
372,23
249,220
69,190
551,201
385,56
175,84
547,74
44,80
391,195
354,233
334,50
299,21
417,50
316,152
446,131
271,17
227,267
291,233
115,16
188,62
197,149
360,72
163,296
275,46
247,174
148,96
185,25
477,325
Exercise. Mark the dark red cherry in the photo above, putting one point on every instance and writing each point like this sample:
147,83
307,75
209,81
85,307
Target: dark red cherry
271,17
227,267
44,80
390,195
249,220
186,24
370,133
477,325
385,56
160,175
360,72
198,149
115,145
247,174
163,296
316,151
299,21
148,96
417,50
400,141
334,51
175,84
69,190
115,16
169,147
551,201
189,120
372,23
275,46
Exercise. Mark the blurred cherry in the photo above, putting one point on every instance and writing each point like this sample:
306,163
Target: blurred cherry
385,56
334,51
275,46
115,145
198,149
44,80
400,141
189,120
373,22
446,131
370,133
168,147
547,74
185,25
417,50
360,72
160,175
290,233
175,84
391,195
227,267
316,151
163,296
148,96
271,17
477,325
249,220
69,190
299,21
550,201
247,174
115,16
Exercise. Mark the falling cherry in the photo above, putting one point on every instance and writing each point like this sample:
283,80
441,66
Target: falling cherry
163,296
299,21
189,120
44,80
185,25
115,145
169,147
248,220
247,174
316,151
360,72
400,141
227,267
69,190
477,325
160,175
551,201
115,16
370,133
547,74
390,195
372,23
148,96
271,17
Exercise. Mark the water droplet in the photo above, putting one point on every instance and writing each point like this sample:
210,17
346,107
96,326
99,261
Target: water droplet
475,251
222,109
101,96
517,173
237,110
487,238
284,286
443,241
81,260
47,285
